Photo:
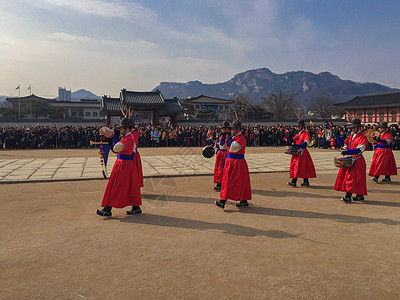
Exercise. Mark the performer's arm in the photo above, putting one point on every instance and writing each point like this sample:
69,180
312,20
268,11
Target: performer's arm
340,141
385,142
235,147
222,139
359,150
229,139
303,145
114,142
118,147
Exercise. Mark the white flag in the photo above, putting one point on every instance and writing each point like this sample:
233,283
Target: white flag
17,88
29,88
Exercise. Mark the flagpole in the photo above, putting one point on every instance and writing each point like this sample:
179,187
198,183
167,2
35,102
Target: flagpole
30,100
19,101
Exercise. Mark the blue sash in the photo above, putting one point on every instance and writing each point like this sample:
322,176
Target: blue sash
383,146
126,156
235,156
221,150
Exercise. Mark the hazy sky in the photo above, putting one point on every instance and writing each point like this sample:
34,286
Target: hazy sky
106,45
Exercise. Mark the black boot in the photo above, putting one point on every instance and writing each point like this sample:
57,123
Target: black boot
375,178
358,198
387,179
347,198
134,211
293,182
305,182
242,203
218,187
220,203
105,212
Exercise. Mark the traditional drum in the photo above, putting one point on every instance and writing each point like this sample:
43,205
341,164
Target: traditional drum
107,132
208,151
344,161
291,150
370,133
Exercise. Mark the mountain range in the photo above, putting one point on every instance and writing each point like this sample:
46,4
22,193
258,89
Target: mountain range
260,83
84,94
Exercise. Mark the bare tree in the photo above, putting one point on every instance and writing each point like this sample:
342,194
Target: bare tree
281,105
322,107
242,104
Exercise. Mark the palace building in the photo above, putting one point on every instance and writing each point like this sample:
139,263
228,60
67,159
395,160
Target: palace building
221,107
373,108
148,107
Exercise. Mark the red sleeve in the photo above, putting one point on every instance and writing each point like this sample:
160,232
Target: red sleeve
241,141
307,136
347,141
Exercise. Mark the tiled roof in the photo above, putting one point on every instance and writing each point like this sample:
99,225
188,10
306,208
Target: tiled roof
207,99
30,97
109,104
373,100
141,98
171,106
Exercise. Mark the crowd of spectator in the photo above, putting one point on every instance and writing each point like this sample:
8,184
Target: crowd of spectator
45,137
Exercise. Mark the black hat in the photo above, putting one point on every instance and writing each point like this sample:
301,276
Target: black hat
237,124
355,123
383,125
125,122
225,124
301,122
132,121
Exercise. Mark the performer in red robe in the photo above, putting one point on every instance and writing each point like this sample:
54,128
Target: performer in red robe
301,165
221,147
353,179
383,162
123,186
236,177
136,159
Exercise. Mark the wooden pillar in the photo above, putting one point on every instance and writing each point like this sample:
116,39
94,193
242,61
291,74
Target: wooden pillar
108,119
365,116
174,120
156,116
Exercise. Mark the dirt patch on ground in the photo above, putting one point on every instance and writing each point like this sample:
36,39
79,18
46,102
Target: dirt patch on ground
290,243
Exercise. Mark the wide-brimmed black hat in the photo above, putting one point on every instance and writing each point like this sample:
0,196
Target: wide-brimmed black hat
225,124
301,122
355,123
237,124
383,125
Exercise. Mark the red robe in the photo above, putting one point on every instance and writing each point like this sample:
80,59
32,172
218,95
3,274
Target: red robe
236,177
353,179
136,159
123,186
219,162
383,162
301,165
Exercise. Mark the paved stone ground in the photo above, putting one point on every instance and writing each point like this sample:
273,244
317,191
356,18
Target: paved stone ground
84,168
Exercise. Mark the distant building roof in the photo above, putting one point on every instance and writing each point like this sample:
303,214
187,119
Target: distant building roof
171,106
372,100
206,99
113,105
25,98
141,98
108,104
